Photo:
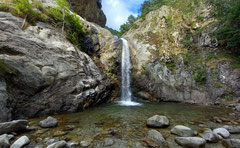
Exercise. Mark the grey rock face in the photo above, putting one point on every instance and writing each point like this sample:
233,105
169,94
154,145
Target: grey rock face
222,132
20,142
231,143
158,121
49,122
59,144
190,142
4,140
50,74
157,137
13,126
91,10
182,131
5,111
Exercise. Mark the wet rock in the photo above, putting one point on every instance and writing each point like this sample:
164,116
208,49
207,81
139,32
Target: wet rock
13,126
20,142
182,131
4,140
59,144
49,122
238,107
222,132
144,95
59,133
231,143
69,128
232,129
72,145
158,121
210,136
108,142
51,141
85,143
157,137
190,142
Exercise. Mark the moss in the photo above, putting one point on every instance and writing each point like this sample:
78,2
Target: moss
200,74
6,70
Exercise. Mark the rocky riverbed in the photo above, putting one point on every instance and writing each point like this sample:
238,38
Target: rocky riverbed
114,126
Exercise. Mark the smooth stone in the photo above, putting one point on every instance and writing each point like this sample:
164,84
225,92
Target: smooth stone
49,122
22,141
210,136
158,121
190,142
157,137
13,126
4,140
231,143
59,144
232,129
72,145
108,142
183,131
51,141
222,132
85,143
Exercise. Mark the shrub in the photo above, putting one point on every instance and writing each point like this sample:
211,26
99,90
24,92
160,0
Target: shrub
200,75
75,29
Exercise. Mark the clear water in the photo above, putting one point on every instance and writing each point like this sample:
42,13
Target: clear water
96,124
126,94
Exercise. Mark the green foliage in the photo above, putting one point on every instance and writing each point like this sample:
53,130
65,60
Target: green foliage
200,75
125,27
5,69
63,4
25,9
55,13
228,13
114,32
75,29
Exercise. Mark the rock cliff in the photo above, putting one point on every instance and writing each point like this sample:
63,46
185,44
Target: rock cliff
41,72
175,58
90,10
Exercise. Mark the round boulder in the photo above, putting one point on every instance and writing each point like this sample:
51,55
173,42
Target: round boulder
49,122
222,132
190,142
158,121
183,131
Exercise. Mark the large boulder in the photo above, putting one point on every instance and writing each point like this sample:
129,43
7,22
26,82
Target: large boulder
222,132
190,142
158,121
4,140
13,126
157,137
232,129
210,136
44,73
20,142
48,122
182,131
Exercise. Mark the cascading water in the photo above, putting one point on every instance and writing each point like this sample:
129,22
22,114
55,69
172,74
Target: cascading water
126,95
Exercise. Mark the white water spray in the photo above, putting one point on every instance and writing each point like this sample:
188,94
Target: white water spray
126,95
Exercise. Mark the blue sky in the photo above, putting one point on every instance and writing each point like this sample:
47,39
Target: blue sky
117,11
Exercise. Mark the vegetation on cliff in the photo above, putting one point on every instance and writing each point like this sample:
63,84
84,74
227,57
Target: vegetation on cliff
60,17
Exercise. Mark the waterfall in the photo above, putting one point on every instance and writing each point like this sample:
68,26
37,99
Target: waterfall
126,94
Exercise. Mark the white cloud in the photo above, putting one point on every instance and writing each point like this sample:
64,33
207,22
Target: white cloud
117,11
